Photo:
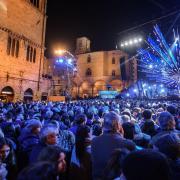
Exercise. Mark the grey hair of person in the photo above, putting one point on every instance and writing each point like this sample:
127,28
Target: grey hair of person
125,118
111,120
46,130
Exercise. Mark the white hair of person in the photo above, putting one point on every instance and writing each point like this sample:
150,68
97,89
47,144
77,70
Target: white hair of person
48,129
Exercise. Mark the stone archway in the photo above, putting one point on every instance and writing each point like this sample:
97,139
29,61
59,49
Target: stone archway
85,89
8,93
28,95
99,85
116,85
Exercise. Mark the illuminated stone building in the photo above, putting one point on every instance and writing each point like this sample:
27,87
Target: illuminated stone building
22,38
102,70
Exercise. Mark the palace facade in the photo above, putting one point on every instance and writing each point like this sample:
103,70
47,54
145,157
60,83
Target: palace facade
22,39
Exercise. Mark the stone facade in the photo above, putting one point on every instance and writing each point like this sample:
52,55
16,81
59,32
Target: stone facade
22,38
102,70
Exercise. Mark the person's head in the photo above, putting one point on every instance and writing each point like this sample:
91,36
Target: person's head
136,111
9,116
9,130
112,123
147,114
43,170
80,119
5,149
166,121
55,155
125,118
129,130
126,112
145,165
169,145
96,130
34,126
49,134
149,128
114,165
82,140
172,109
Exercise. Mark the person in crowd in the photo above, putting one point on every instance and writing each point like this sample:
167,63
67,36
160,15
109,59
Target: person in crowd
81,164
169,145
167,126
7,156
136,113
173,110
96,130
145,165
104,145
80,119
43,170
3,171
147,125
114,166
125,118
48,137
8,126
27,140
129,130
56,156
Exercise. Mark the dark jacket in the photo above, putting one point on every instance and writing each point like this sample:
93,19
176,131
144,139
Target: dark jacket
27,141
36,151
102,147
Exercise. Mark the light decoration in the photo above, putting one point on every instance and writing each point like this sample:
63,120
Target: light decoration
132,42
160,62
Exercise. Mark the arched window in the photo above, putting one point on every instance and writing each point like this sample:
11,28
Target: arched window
34,55
13,47
113,60
37,3
31,54
88,72
89,59
113,72
27,53
17,49
9,45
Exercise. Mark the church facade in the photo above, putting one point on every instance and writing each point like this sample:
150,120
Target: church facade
102,70
22,39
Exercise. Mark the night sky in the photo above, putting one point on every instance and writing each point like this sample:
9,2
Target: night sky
100,20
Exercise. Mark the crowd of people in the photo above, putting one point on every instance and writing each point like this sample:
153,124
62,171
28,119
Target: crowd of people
90,139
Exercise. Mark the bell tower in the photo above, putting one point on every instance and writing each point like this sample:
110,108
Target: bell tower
82,45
